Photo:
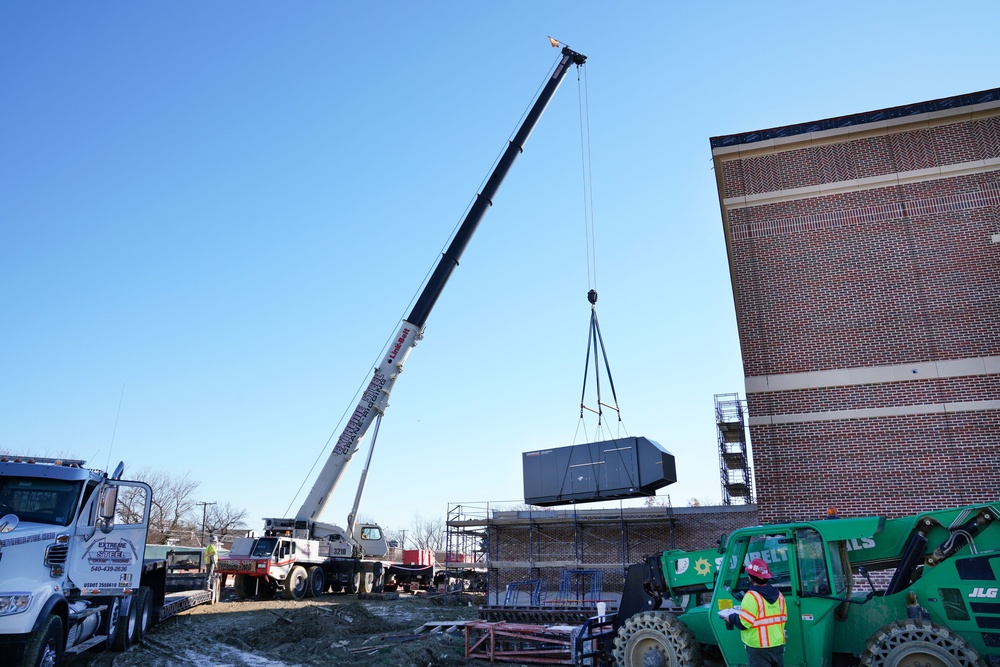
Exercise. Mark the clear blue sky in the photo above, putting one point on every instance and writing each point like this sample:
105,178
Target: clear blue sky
216,213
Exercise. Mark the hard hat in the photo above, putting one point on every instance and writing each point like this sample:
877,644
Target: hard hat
758,568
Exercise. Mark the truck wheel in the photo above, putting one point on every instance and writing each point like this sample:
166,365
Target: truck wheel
918,642
266,588
317,581
379,585
45,649
655,638
367,582
240,587
109,621
355,584
127,628
297,583
216,584
144,612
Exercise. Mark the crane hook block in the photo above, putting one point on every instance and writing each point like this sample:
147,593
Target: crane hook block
592,297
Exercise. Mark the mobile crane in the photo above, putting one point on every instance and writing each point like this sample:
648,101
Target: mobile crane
302,556
939,608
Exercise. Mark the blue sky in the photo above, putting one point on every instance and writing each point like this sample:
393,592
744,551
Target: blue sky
215,214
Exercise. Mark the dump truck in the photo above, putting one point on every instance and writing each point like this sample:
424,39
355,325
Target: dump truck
301,556
73,576
938,605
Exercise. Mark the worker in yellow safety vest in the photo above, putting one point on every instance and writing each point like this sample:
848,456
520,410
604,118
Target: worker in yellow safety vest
761,618
211,558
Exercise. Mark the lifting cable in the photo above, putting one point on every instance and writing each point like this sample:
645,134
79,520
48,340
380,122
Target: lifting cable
594,338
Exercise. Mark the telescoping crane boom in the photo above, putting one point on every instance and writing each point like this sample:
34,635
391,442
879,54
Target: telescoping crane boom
375,398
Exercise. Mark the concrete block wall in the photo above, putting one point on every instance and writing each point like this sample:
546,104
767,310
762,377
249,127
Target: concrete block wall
865,261
525,545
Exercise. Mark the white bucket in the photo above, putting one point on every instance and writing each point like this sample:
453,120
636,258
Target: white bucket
602,609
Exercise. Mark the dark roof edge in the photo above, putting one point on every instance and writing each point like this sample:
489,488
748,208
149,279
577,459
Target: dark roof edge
956,101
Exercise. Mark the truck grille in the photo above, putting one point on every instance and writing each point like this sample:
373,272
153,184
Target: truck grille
236,566
56,554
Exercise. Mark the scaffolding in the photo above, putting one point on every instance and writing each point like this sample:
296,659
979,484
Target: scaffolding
734,460
465,545
529,551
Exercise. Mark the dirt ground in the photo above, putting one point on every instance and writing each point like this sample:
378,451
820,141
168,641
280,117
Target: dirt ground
334,629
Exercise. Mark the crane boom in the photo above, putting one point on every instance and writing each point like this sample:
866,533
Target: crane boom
375,398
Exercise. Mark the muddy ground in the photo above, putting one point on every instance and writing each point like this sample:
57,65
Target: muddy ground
330,630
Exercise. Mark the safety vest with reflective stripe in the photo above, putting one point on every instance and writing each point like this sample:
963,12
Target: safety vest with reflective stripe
764,621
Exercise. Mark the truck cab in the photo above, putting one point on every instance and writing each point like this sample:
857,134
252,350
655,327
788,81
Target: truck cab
70,560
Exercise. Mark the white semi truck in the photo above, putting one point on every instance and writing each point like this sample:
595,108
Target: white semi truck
301,556
72,570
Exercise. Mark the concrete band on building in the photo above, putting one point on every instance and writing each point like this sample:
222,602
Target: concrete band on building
864,255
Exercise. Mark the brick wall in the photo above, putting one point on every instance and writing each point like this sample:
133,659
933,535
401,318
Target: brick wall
867,282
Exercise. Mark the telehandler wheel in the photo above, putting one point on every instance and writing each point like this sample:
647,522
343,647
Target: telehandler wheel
45,648
297,583
317,581
656,639
918,642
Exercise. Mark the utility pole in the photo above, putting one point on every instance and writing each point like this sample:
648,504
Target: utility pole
402,544
204,515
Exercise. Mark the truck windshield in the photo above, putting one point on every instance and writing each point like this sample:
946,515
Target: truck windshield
51,501
264,547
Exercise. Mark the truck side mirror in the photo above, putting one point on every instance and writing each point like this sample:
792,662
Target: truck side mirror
107,502
8,523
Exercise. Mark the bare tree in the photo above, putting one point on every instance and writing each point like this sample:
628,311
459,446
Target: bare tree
225,521
427,533
171,513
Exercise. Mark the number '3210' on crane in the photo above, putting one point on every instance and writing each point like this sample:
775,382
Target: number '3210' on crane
301,556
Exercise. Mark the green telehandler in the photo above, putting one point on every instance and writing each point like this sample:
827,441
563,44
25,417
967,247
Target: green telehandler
939,605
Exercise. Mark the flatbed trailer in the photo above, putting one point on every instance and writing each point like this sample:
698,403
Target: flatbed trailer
172,593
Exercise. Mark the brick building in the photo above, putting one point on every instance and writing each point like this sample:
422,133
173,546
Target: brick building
865,262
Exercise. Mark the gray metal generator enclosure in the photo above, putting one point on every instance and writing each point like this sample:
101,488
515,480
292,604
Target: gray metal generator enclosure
624,468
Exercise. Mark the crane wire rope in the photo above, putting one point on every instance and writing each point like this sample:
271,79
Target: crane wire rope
390,338
595,341
595,338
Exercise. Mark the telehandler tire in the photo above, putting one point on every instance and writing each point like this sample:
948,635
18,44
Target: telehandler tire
918,642
667,641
